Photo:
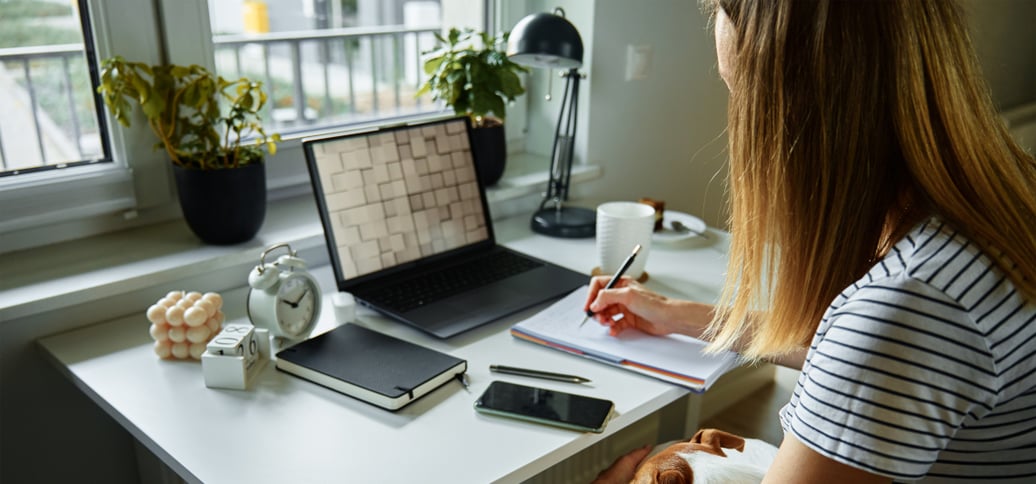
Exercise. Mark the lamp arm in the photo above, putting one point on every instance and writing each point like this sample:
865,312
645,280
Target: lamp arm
570,147
564,143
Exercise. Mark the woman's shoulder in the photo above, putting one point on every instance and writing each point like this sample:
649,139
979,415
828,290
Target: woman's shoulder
937,255
938,271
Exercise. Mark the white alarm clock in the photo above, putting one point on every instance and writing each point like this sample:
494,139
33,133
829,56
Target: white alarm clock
283,297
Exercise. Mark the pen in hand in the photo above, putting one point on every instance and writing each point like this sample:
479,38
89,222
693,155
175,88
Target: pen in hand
618,275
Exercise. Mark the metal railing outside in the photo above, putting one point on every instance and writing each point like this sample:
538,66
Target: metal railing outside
332,77
47,106
315,80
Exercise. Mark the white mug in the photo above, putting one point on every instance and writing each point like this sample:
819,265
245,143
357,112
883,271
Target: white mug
620,227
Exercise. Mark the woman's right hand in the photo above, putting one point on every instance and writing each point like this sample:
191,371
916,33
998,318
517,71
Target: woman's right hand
643,309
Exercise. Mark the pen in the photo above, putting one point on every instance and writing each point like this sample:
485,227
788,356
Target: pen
622,270
510,370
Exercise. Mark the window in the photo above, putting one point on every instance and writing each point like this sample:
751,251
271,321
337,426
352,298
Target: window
58,197
327,62
50,114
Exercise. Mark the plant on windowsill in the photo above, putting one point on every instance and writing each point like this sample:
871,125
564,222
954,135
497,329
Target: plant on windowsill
211,129
470,72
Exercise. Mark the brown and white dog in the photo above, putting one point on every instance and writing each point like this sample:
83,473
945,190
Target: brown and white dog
702,460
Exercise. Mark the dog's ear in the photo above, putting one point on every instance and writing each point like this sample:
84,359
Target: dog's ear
716,440
666,467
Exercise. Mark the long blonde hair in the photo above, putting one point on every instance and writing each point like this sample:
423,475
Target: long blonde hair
849,121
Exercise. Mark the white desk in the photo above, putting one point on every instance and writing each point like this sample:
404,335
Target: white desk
285,429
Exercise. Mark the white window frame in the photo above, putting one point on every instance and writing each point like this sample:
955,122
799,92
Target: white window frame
58,205
64,204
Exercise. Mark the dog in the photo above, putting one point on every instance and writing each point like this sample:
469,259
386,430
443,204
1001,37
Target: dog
702,460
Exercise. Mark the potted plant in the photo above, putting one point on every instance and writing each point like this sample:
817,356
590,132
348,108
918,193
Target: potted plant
470,72
210,128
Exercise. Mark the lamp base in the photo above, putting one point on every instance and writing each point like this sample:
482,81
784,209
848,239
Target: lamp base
566,222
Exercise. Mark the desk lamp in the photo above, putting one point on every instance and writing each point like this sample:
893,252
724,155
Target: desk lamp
550,41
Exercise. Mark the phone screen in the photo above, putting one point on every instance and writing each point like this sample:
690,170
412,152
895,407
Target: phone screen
545,406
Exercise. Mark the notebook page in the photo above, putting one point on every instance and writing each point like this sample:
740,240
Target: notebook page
679,354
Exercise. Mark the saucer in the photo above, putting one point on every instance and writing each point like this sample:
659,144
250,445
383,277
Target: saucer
668,235
596,271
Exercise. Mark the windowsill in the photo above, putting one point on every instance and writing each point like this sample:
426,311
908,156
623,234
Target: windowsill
526,174
135,267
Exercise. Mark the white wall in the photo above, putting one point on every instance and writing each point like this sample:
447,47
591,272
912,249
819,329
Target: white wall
663,136
660,137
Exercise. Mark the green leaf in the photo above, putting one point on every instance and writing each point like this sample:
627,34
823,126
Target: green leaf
510,85
432,64
179,71
154,107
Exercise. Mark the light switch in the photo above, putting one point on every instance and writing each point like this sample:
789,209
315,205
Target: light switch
638,61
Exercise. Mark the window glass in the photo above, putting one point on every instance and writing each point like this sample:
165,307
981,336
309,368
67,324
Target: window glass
50,116
327,62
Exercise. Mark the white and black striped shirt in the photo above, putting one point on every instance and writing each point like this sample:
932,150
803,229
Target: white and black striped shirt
924,369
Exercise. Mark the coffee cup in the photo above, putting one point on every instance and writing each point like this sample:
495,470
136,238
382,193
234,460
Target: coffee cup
621,226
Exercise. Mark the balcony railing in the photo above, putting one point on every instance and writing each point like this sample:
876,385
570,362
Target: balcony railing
315,80
331,77
48,113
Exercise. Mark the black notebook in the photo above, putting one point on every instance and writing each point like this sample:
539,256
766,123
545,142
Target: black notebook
377,368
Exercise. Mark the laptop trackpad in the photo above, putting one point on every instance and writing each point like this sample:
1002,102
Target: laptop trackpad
468,310
484,300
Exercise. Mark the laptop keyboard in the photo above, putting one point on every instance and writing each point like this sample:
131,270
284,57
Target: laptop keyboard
433,286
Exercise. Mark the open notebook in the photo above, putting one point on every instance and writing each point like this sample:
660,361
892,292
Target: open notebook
675,358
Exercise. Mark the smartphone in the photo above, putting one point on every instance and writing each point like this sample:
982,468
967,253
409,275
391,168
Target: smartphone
550,407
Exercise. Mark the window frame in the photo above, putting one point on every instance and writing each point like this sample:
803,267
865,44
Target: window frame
137,188
69,203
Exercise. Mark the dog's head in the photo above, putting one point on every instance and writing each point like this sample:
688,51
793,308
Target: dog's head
671,467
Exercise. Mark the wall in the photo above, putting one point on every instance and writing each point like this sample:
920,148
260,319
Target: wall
663,136
1006,44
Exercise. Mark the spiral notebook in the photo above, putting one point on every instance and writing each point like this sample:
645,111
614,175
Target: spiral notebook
374,367
676,359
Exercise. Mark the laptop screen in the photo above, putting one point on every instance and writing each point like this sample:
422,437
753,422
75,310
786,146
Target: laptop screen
396,196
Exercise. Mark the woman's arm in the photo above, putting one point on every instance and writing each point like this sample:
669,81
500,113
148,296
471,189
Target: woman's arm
794,359
797,463
656,314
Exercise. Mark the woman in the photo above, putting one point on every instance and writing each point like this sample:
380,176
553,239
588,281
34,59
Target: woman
881,241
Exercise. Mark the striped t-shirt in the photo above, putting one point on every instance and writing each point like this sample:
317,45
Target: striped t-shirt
925,368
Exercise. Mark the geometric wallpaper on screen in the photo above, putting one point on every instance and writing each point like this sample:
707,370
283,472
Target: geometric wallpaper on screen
400,195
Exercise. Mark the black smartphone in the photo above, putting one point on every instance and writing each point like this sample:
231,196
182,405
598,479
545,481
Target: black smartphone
550,407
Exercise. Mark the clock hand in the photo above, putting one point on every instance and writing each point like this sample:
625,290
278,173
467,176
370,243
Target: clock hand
297,300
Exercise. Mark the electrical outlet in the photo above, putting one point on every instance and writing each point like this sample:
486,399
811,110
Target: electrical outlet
638,61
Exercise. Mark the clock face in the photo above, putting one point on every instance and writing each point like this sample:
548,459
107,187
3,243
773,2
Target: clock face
297,305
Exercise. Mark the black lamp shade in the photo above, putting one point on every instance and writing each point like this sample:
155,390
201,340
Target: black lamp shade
545,40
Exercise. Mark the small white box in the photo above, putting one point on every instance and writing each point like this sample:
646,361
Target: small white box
235,370
345,307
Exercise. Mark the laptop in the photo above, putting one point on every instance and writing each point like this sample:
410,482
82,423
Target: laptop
409,232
